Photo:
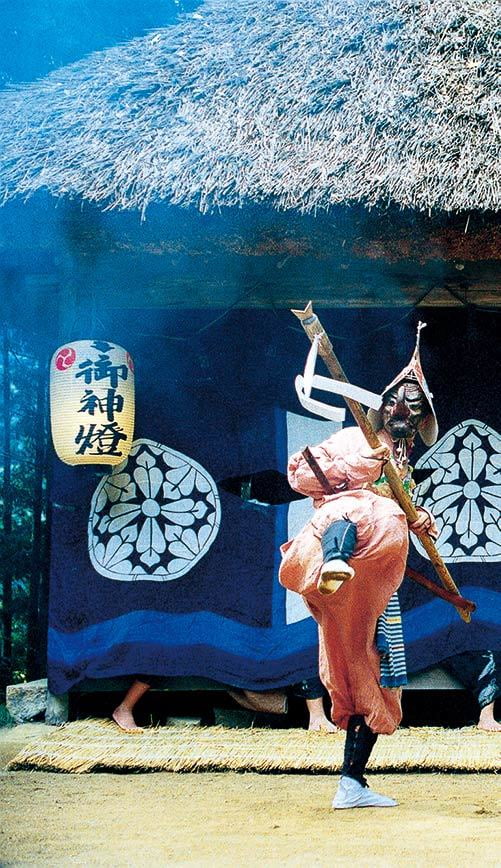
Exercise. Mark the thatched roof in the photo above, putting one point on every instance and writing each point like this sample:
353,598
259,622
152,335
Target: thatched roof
301,103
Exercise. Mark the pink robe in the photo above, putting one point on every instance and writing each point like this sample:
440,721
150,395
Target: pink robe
349,663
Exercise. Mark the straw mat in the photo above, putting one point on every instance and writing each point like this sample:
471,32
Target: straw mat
97,745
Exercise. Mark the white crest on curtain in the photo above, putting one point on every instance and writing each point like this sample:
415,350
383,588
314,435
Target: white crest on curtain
464,493
154,517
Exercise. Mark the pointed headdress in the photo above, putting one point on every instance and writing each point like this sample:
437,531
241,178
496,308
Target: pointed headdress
428,428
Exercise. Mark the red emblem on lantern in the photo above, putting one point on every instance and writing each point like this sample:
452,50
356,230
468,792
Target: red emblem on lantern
65,358
129,362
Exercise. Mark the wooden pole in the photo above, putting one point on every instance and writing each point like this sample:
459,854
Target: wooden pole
33,662
314,328
457,601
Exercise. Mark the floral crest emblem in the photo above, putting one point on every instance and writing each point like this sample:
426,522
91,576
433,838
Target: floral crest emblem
463,492
154,517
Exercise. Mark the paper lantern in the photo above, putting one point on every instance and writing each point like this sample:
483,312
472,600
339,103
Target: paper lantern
92,402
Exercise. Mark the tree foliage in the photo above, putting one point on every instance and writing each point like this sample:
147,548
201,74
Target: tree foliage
23,517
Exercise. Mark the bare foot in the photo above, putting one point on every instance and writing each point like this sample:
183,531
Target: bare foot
321,724
124,719
489,724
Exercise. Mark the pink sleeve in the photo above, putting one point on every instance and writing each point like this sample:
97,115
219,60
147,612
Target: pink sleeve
341,460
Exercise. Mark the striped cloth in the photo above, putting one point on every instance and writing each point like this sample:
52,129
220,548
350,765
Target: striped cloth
390,644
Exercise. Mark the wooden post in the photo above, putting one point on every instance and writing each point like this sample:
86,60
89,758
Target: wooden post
33,662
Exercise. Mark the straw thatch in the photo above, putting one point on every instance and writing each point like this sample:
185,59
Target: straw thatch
89,745
301,103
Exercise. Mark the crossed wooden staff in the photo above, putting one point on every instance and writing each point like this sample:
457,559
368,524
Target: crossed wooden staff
314,328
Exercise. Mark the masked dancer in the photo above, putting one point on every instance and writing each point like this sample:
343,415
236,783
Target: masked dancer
348,563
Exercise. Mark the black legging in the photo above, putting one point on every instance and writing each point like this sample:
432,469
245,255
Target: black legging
357,748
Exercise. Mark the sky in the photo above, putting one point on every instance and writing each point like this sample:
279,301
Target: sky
38,36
